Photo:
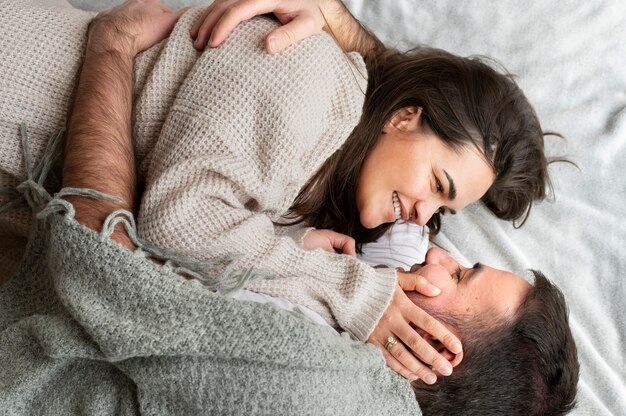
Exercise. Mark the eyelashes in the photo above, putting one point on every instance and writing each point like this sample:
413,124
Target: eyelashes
438,185
457,274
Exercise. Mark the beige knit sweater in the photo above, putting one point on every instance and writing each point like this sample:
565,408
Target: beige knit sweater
225,140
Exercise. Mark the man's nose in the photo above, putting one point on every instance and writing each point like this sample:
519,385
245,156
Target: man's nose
438,256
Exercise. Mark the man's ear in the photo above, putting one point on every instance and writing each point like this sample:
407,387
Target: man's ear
406,119
455,359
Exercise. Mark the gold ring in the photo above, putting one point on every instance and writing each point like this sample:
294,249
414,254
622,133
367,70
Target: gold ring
391,342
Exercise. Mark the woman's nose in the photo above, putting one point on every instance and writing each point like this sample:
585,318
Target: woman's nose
424,211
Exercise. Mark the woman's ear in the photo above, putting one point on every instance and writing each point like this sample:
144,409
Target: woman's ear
454,359
406,119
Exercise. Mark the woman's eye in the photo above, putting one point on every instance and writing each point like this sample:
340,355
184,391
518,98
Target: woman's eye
438,185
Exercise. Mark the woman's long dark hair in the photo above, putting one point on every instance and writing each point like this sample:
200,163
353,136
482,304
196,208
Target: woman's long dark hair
466,102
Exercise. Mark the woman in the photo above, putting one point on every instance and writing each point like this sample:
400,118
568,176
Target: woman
436,132
349,291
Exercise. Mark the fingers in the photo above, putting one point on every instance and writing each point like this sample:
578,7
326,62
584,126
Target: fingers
196,27
221,18
404,363
423,355
399,358
395,365
413,313
339,241
414,282
236,14
414,355
203,27
346,244
297,29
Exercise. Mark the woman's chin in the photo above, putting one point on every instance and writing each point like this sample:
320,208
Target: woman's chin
371,221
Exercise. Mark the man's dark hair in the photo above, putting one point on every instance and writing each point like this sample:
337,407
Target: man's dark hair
526,365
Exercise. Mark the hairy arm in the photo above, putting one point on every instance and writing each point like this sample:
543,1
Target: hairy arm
99,149
348,31
99,152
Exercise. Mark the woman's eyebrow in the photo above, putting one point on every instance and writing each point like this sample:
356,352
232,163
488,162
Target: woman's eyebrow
451,186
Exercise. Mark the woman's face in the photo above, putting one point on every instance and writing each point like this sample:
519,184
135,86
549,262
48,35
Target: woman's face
411,174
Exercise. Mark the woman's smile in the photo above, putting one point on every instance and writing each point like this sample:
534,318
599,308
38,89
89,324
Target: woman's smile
423,174
397,207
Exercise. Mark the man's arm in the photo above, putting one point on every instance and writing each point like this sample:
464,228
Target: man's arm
99,152
300,19
99,149
348,31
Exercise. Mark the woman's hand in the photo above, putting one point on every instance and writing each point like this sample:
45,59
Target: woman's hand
330,241
300,19
395,323
132,27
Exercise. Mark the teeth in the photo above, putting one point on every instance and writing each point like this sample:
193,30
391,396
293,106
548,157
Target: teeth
396,205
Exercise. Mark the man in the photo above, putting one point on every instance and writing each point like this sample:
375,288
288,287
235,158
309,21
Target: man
519,356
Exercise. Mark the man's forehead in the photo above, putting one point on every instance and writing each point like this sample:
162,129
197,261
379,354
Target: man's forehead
502,274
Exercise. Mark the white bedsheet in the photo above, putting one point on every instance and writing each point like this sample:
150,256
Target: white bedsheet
570,58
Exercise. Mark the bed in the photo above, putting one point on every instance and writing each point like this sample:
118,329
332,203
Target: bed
569,59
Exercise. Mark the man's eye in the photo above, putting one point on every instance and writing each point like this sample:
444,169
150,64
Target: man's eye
457,274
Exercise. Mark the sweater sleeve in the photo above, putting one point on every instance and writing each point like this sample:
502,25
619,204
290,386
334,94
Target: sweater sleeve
344,290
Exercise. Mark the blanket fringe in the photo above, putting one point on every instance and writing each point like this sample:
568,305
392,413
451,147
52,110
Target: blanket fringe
32,193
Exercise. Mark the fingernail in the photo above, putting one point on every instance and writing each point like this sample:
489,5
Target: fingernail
272,45
446,370
434,289
456,347
413,377
210,41
430,379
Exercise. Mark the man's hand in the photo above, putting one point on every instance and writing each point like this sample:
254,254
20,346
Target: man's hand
134,25
300,19
396,322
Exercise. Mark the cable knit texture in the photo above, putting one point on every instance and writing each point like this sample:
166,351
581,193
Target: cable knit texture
225,139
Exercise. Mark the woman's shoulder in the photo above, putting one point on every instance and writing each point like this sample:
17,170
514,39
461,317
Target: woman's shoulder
315,58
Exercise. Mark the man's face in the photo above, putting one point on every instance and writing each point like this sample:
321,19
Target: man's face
469,292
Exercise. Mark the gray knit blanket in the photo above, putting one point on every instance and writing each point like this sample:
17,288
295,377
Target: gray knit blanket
88,327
